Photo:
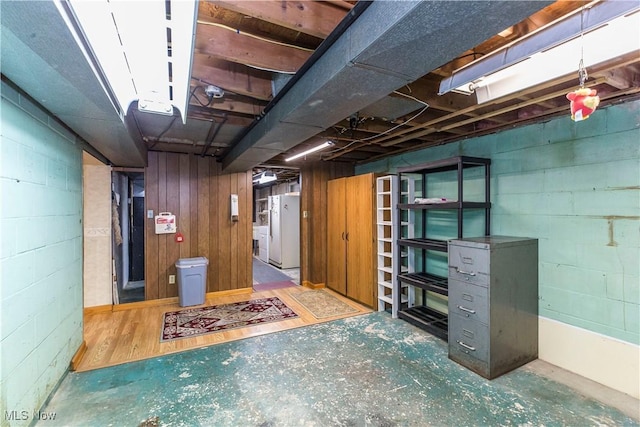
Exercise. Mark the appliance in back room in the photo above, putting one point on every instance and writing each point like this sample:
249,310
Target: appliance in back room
284,231
263,243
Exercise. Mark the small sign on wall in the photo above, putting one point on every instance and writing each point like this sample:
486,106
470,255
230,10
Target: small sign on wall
165,223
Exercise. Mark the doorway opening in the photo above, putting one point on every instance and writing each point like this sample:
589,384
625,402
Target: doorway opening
276,240
128,217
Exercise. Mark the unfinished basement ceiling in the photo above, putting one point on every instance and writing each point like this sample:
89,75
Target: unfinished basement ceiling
251,49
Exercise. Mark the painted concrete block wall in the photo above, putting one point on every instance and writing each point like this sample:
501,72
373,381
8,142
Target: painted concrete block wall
575,187
41,255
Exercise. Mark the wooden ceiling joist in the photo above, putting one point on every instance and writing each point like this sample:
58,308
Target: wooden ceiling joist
310,17
242,48
239,42
484,116
232,78
227,104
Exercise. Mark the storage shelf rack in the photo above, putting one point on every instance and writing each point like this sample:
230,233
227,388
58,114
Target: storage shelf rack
388,253
419,243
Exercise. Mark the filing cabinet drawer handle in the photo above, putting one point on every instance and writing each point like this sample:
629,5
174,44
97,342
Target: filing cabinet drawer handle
468,273
468,347
466,309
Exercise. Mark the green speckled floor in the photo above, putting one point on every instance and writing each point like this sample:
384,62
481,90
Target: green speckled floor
366,370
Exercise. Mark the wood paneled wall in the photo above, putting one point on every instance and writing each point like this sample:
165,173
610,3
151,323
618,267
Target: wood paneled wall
195,190
313,229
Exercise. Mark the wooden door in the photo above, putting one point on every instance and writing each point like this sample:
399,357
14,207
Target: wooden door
361,239
336,232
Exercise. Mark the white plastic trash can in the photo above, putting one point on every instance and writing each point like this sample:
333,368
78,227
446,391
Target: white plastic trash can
192,280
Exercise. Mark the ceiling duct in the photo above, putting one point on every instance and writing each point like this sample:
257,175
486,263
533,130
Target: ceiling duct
388,46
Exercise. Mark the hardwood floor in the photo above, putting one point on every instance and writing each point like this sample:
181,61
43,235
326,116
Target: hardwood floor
133,333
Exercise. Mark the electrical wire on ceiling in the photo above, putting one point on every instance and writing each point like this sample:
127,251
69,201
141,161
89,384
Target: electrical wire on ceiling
411,97
208,83
224,91
337,150
474,54
339,130
271,70
209,98
167,128
264,39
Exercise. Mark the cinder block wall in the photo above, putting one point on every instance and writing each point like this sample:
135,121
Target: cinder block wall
575,187
41,255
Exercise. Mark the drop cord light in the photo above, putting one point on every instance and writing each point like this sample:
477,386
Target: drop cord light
583,100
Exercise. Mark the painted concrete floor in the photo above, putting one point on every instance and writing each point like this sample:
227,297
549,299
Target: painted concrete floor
367,370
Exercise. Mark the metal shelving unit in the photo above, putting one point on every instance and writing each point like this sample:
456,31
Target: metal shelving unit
420,245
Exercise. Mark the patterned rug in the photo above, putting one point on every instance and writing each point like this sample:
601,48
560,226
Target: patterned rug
322,304
203,320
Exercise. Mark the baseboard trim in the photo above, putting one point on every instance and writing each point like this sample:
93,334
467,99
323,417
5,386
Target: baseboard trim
590,355
98,309
146,303
77,358
175,300
238,291
312,285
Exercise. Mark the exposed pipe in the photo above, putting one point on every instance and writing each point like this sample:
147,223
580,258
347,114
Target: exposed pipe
211,137
161,133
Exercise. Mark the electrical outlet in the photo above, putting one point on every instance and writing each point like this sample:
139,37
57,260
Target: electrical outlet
172,279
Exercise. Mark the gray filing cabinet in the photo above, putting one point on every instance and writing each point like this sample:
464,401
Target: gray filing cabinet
493,303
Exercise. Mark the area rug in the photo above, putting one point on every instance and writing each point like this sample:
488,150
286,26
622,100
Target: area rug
203,320
273,285
322,304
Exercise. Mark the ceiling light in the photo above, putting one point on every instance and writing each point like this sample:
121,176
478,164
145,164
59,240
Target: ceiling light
552,52
139,50
213,92
310,150
265,177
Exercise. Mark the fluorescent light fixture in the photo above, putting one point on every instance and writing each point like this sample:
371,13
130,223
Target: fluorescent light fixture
142,49
612,29
310,150
265,177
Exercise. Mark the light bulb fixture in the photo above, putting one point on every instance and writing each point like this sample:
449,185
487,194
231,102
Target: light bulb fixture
583,101
213,92
551,52
310,150
265,177
139,50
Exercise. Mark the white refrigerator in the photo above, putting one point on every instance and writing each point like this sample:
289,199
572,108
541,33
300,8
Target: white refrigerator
284,231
